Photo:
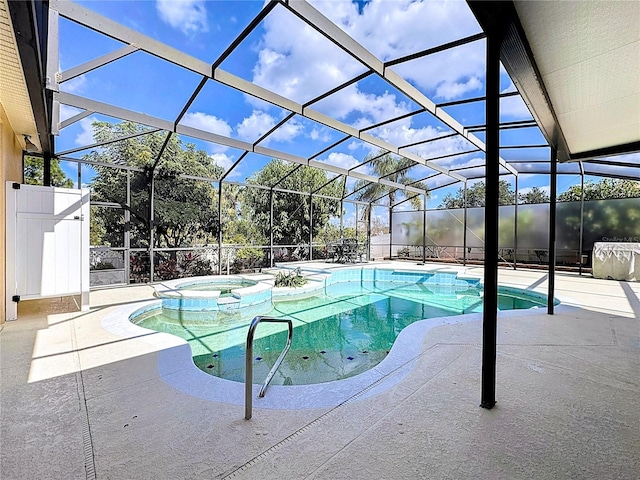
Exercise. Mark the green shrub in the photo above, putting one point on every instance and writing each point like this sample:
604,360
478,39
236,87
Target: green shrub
291,279
247,257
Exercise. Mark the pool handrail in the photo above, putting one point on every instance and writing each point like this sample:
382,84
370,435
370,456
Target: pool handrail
248,381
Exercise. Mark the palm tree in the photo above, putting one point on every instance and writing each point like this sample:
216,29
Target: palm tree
390,168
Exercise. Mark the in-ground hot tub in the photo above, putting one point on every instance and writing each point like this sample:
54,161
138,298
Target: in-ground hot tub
214,293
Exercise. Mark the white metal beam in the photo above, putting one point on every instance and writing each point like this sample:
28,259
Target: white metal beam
101,24
143,119
254,90
76,118
96,63
213,137
113,111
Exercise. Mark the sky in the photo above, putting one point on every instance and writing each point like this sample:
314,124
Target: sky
286,56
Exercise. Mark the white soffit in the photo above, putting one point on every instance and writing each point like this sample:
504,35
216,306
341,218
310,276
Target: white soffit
14,97
588,54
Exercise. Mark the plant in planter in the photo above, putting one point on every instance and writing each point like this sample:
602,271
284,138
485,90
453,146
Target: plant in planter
103,266
139,268
191,265
167,270
291,279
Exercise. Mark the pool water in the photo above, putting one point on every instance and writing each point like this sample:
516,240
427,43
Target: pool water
341,333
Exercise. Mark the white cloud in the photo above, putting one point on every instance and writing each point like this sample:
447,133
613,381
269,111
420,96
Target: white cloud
75,85
402,133
354,145
222,159
188,16
85,137
297,62
372,108
286,132
460,162
342,160
446,146
206,122
514,108
449,74
511,87
452,90
627,158
67,112
253,127
390,30
321,134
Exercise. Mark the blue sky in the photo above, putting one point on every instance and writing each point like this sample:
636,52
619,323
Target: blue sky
287,57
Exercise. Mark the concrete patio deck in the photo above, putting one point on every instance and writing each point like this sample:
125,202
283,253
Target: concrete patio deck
79,401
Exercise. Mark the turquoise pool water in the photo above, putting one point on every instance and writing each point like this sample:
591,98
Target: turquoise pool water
344,331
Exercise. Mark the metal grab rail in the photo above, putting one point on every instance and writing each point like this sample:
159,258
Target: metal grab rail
248,381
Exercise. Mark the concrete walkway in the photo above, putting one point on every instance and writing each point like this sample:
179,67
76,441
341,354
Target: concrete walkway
79,401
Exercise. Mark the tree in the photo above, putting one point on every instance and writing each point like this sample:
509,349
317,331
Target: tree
34,173
392,169
535,195
476,196
291,211
97,229
604,189
185,210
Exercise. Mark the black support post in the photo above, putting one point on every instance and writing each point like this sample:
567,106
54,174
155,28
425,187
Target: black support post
515,229
424,232
464,231
370,207
46,172
581,248
152,223
492,176
552,230
390,232
271,226
311,226
220,228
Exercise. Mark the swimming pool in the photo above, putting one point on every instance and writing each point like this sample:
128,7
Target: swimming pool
347,327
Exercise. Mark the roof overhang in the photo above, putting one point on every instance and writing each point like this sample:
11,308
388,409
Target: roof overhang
14,96
577,67
22,84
